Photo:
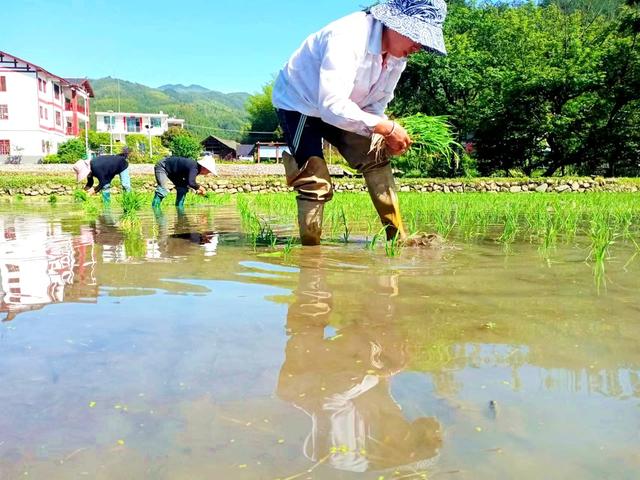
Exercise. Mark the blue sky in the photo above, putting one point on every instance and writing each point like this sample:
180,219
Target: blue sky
230,45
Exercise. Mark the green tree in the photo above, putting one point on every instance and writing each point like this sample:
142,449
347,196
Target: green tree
173,132
262,117
97,140
72,150
536,88
184,146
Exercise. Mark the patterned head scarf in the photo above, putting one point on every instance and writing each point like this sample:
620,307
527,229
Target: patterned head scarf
419,20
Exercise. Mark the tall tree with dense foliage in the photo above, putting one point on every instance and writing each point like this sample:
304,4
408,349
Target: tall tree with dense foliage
173,132
536,88
185,146
262,117
71,151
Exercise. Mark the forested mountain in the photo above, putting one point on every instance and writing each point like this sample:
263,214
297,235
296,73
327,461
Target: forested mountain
203,109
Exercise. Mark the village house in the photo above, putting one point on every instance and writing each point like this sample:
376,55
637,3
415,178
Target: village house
38,110
224,149
121,124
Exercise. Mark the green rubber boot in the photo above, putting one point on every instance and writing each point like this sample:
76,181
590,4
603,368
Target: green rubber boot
157,200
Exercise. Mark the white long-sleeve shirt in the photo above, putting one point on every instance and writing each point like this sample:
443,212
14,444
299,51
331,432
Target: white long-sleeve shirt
338,75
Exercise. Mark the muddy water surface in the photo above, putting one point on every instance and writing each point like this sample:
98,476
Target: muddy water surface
174,351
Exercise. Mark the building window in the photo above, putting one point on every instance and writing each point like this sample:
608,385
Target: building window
3,84
41,113
58,119
4,112
40,84
156,122
5,147
43,146
109,121
56,91
134,125
46,114
44,86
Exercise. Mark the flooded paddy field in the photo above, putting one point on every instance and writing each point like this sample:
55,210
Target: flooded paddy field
206,344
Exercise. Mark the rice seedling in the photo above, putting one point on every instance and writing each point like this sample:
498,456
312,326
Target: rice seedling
382,233
433,146
80,196
543,219
131,203
345,226
393,247
511,229
288,247
53,199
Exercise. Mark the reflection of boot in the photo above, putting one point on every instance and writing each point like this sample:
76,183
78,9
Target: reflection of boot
382,190
157,200
310,221
106,196
181,195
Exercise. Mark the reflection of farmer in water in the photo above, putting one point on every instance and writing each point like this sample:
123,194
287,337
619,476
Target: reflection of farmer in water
186,231
342,383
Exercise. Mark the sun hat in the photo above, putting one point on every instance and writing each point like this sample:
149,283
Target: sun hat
208,163
419,20
82,169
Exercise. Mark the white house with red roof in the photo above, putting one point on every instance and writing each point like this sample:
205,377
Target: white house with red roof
38,110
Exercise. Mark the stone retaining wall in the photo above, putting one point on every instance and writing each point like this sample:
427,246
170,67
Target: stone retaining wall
146,183
224,170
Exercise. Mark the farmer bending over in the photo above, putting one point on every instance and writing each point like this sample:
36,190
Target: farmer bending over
104,168
336,87
182,172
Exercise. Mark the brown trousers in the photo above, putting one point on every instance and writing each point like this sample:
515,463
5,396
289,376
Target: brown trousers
313,182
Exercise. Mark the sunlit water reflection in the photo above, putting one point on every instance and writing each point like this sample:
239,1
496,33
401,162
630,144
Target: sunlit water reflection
171,350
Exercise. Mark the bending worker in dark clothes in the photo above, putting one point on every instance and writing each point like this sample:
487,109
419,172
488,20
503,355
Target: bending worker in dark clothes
182,172
104,168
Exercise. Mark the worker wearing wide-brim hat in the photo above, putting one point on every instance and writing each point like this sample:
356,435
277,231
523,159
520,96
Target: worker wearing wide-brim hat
182,172
336,87
104,168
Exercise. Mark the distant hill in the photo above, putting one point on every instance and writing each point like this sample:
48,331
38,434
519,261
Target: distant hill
198,105
181,88
195,93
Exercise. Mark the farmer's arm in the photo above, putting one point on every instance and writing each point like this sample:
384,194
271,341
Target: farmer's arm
89,182
193,173
337,78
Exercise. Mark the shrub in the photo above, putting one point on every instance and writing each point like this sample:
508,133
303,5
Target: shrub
186,146
51,159
71,151
173,132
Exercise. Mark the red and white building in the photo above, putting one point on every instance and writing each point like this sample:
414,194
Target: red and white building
38,110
